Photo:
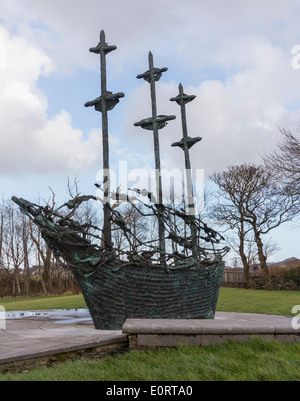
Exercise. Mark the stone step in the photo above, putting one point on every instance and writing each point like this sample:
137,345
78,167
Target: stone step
226,326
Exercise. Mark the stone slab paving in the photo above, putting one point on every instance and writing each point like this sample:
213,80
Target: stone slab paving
30,335
226,326
38,334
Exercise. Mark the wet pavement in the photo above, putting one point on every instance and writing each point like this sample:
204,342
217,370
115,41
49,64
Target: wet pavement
58,316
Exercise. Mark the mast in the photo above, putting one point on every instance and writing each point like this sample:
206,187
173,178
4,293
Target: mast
155,123
185,144
106,102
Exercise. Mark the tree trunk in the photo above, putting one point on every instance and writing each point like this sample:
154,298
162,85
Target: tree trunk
249,281
16,282
244,259
263,261
47,268
26,273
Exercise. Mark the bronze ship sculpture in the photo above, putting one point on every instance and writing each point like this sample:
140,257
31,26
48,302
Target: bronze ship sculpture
148,280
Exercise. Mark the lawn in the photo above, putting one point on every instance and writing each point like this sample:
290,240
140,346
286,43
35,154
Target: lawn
40,303
258,301
254,361
230,300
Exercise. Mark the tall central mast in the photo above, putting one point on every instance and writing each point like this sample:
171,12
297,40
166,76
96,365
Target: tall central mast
106,102
155,123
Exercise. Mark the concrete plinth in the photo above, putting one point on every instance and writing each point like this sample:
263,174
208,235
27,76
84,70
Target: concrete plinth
226,326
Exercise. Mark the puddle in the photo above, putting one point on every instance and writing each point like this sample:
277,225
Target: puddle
59,316
20,315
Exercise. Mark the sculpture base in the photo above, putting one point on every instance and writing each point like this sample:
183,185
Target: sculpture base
115,290
135,292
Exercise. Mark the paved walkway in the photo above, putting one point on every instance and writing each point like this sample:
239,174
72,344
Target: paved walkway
30,335
38,334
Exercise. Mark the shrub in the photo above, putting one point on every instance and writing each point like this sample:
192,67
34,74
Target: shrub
293,275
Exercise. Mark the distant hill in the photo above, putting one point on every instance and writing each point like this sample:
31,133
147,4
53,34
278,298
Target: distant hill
289,262
285,264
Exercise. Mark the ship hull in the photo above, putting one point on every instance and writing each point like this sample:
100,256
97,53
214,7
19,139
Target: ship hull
114,295
115,290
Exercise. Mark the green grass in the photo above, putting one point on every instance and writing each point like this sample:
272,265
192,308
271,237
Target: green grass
254,361
230,300
258,301
41,303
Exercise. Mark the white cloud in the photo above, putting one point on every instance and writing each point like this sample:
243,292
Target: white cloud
238,119
29,142
237,115
196,33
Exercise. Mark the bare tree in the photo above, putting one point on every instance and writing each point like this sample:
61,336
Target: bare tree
136,224
27,245
253,200
1,233
229,212
44,253
44,257
15,246
286,161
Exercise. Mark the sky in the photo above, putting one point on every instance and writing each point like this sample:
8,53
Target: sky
241,59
